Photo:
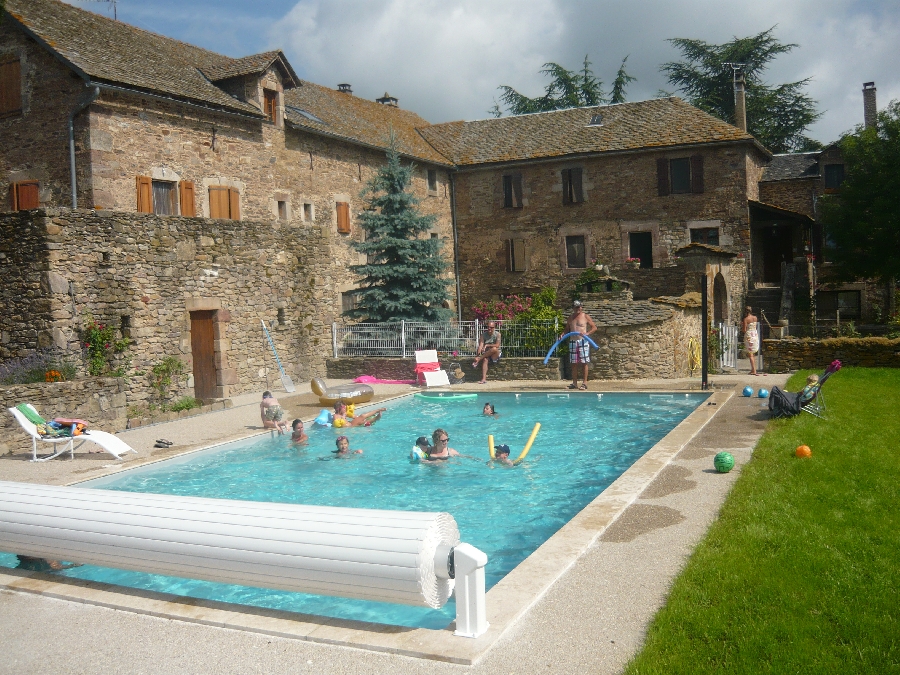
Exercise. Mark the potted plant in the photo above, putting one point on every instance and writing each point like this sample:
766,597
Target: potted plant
633,262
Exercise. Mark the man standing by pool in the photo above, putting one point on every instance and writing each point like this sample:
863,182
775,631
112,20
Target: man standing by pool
579,347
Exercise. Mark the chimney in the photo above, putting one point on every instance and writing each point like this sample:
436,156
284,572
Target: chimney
870,112
740,102
345,88
387,99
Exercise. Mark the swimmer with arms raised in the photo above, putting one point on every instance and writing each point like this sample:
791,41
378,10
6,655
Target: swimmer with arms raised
365,419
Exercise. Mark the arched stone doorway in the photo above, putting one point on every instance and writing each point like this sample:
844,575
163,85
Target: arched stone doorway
720,300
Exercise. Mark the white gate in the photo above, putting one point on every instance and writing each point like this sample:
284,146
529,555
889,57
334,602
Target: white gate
729,340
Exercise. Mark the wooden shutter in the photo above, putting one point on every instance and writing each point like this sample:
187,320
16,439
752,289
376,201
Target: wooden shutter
144,194
271,105
507,192
517,255
567,186
697,173
12,197
10,88
26,196
517,190
186,199
662,176
343,217
234,204
577,193
218,202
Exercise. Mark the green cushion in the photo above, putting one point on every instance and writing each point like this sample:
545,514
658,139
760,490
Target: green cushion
30,414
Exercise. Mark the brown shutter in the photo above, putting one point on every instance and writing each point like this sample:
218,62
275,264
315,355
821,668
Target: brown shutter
234,204
517,190
518,255
218,202
27,196
697,173
343,217
186,199
12,197
510,263
577,194
662,176
567,186
144,194
10,88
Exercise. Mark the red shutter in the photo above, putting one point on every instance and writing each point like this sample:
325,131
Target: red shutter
144,194
697,173
27,196
186,197
234,204
10,88
662,176
343,217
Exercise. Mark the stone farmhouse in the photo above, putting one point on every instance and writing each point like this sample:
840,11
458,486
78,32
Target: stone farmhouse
184,196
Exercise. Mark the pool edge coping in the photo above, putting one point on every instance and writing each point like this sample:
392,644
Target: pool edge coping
507,602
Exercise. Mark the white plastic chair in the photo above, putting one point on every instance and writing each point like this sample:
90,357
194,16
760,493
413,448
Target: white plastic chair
433,378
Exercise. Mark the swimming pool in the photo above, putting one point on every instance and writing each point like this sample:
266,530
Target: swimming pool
586,442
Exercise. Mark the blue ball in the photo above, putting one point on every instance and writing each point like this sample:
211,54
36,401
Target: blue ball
763,393
748,391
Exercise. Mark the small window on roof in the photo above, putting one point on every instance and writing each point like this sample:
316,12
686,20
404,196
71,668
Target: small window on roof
596,121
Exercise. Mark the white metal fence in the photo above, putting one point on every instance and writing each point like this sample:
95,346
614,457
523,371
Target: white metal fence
455,338
728,336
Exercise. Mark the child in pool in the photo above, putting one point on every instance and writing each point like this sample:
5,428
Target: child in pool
272,413
365,419
299,435
489,410
343,447
501,455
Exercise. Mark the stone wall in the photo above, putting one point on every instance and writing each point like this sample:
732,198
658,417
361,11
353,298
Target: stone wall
795,195
509,368
100,401
784,356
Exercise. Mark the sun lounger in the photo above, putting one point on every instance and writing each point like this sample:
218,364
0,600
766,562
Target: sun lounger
428,369
111,444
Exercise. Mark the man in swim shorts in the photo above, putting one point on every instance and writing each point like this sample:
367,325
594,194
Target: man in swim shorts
579,347
271,413
488,350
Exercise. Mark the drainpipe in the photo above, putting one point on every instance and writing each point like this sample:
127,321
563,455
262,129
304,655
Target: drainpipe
81,106
455,245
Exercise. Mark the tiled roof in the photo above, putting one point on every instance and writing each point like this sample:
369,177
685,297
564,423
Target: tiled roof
114,52
798,165
627,312
657,123
358,120
251,65
703,249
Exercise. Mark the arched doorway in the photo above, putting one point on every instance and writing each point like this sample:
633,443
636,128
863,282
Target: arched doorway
720,300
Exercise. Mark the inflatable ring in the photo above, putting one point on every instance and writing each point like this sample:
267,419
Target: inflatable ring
416,454
348,393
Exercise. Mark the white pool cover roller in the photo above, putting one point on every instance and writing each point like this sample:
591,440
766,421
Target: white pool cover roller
387,556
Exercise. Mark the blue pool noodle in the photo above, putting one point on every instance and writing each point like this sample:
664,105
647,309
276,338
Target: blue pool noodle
556,344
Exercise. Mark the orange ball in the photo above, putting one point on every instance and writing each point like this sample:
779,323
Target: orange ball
803,451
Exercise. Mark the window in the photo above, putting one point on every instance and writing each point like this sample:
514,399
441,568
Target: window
432,180
705,235
10,87
343,217
834,176
270,105
515,254
681,175
160,196
349,302
164,198
828,302
575,252
512,191
282,210
571,183
224,203
24,195
307,212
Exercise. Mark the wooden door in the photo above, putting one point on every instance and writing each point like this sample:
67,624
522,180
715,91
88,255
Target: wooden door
203,351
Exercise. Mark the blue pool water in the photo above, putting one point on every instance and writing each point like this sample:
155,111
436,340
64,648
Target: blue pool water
586,441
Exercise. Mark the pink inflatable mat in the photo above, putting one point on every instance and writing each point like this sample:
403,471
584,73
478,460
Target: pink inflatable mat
369,379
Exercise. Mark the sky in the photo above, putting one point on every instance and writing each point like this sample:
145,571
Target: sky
444,59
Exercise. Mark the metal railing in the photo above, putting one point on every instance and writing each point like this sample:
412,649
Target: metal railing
454,338
728,335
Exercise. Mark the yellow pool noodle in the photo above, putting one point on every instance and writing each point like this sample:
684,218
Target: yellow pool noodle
491,445
534,433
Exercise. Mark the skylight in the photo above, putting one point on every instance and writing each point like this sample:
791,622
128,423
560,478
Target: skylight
305,114
596,121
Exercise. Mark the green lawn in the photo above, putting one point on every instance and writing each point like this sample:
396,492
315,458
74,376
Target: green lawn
800,573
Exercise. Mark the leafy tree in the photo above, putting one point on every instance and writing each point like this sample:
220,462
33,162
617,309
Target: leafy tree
777,115
567,89
404,278
863,220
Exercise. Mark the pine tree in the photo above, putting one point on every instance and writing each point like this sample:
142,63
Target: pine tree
404,277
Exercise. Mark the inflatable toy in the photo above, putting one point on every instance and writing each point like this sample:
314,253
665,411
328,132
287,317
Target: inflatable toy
348,393
323,419
763,393
534,433
724,462
491,446
556,344
444,396
416,454
748,391
803,451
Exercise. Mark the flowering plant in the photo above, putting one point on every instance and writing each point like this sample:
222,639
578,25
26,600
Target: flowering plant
507,308
53,376
100,344
632,260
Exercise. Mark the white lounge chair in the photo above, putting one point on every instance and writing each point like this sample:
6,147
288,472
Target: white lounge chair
111,444
429,368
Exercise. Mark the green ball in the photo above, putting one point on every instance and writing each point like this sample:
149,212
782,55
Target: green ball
724,462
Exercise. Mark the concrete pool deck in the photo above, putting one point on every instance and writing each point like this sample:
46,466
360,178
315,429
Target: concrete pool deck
582,601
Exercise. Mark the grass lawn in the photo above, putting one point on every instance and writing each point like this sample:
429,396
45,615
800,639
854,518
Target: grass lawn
801,572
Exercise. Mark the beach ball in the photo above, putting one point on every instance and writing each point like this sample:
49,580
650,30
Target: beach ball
748,391
763,393
803,451
724,462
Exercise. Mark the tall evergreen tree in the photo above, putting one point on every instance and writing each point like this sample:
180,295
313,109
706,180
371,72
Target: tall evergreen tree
404,276
567,89
777,115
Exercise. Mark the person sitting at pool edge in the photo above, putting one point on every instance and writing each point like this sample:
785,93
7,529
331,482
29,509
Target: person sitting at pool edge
343,447
488,349
441,449
298,435
489,410
365,419
272,413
